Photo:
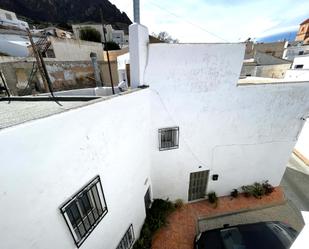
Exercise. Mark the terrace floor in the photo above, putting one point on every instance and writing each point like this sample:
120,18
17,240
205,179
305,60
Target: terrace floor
183,223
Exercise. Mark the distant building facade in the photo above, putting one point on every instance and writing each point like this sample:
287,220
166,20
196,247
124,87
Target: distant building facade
265,65
117,36
303,32
294,50
9,19
275,49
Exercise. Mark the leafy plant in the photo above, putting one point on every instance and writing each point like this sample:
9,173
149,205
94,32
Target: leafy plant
90,34
111,46
155,219
257,190
268,188
234,193
178,203
212,198
247,190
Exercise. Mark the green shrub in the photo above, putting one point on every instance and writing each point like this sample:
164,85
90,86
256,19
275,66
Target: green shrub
257,189
268,187
178,203
111,46
155,219
234,193
90,34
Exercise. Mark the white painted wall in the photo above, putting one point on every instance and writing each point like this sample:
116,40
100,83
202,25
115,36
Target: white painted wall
8,18
297,75
301,60
139,40
303,141
242,133
122,60
14,45
293,51
46,161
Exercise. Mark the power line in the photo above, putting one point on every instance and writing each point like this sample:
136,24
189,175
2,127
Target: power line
187,21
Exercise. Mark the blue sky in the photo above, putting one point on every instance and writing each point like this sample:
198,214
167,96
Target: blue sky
219,20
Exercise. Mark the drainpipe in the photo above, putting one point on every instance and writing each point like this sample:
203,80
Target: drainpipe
97,77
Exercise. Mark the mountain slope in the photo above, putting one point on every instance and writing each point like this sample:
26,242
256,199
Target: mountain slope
67,11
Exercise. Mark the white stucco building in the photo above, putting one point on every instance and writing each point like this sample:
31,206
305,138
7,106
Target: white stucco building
9,19
295,50
117,36
87,169
300,69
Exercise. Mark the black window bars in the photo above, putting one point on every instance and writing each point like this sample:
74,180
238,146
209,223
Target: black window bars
169,138
85,210
127,240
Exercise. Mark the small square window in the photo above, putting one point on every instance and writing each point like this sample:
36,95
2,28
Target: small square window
169,138
85,210
8,16
127,240
300,52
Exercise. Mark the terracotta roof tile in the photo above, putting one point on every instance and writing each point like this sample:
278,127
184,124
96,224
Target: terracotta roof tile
304,22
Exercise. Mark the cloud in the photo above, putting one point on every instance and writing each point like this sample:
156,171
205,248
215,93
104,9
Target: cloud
219,20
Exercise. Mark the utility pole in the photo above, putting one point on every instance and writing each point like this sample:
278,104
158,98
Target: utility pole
107,54
38,61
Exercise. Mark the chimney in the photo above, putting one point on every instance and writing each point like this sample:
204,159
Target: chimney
136,11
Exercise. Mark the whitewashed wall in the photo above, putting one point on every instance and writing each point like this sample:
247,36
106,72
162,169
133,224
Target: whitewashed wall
45,162
301,60
243,133
303,141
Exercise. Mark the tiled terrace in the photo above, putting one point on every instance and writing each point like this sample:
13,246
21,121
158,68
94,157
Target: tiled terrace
182,224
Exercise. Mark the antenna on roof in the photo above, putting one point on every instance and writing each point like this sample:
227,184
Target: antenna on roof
136,11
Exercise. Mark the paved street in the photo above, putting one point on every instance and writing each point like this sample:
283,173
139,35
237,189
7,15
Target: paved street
295,183
287,213
296,188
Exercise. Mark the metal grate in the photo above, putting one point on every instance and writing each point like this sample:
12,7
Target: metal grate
198,184
169,138
85,210
127,240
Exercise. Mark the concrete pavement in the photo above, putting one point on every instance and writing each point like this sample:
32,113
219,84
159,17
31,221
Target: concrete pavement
295,183
287,213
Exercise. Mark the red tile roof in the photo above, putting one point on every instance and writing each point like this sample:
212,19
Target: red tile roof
304,22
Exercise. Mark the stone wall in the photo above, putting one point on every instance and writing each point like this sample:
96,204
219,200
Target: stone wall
64,75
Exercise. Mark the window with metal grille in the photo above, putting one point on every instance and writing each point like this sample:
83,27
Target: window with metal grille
127,240
169,138
85,210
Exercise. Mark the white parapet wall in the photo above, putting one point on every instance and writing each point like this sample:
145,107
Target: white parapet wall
45,162
242,133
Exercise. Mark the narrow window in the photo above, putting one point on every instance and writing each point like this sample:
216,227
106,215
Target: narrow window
169,138
300,52
127,240
85,210
299,66
147,199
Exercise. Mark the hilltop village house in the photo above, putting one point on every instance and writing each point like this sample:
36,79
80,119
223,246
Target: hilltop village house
82,174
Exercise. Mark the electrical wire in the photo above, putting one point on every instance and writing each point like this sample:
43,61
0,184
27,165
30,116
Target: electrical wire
186,20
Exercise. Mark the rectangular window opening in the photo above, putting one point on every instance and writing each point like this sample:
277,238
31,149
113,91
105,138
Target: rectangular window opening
8,16
85,210
299,66
127,240
169,138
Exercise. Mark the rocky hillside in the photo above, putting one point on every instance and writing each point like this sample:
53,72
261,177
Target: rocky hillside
67,11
